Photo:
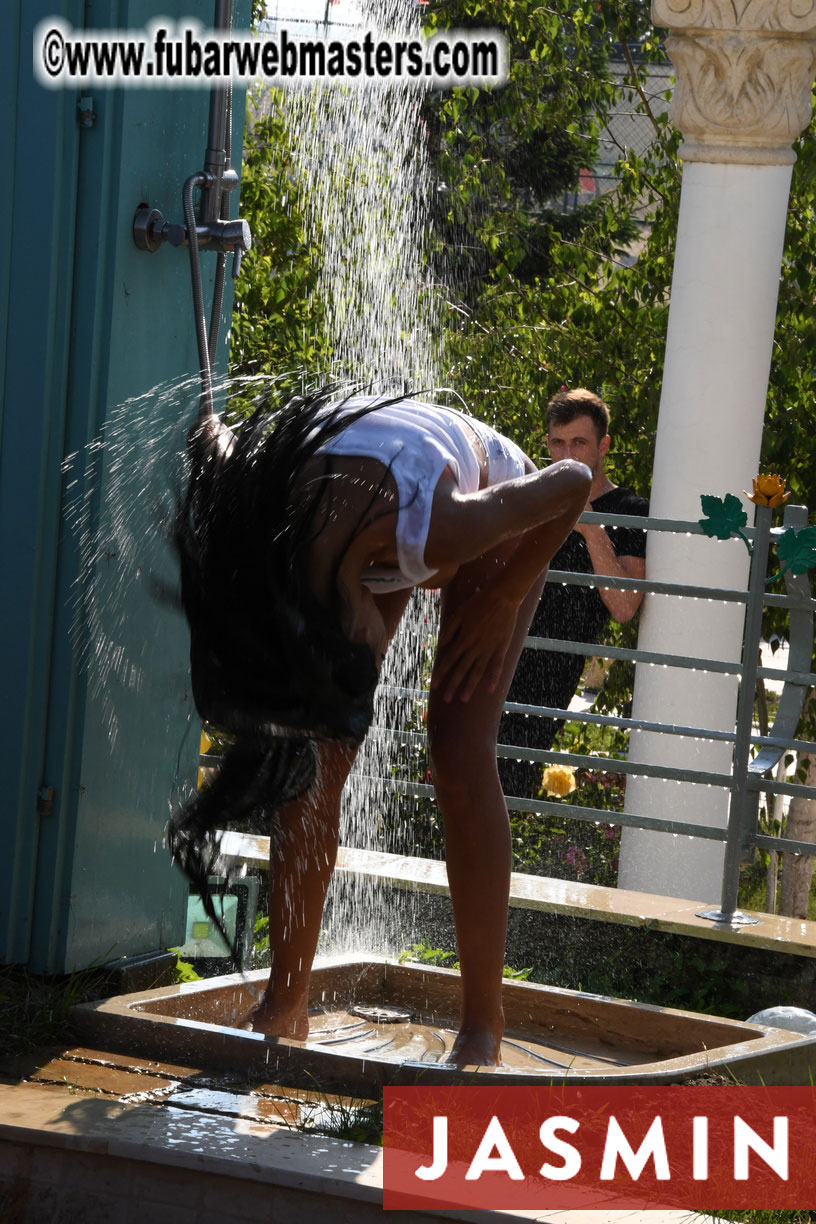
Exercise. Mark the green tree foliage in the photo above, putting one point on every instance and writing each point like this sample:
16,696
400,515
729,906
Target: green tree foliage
277,323
533,300
788,439
540,299
501,154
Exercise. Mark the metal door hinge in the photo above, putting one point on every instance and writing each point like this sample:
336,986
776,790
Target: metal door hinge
45,801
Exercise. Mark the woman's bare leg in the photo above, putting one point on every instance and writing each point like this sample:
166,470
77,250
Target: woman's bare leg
303,850
477,835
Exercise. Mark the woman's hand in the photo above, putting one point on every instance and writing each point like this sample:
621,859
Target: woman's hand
473,643
210,438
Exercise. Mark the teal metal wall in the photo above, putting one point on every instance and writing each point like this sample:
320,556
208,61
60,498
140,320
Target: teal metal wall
87,322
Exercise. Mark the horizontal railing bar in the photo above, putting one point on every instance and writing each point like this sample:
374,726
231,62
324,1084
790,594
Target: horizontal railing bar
639,724
792,602
654,659
612,765
626,724
771,741
543,756
784,844
796,790
648,585
804,679
604,764
684,590
602,651
543,807
644,523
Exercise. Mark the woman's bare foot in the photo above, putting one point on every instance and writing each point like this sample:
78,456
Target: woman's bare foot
274,1021
476,1048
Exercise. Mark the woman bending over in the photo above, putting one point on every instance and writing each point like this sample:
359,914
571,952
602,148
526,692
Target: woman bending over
300,540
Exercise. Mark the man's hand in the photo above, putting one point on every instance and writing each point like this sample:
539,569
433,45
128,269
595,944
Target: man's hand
621,605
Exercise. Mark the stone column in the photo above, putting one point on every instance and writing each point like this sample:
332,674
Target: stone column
743,94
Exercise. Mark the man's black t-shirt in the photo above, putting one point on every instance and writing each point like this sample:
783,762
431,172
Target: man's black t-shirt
579,613
569,612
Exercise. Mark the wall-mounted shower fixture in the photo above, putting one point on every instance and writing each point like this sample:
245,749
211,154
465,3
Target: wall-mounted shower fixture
211,229
150,229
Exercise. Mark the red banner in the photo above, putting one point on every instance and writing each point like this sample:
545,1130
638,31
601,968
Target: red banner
703,1148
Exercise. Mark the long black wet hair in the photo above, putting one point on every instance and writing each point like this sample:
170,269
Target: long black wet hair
271,667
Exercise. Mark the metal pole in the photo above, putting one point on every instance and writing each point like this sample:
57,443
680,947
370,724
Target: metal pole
215,159
738,808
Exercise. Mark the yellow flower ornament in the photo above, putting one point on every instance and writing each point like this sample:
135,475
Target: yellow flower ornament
558,780
769,490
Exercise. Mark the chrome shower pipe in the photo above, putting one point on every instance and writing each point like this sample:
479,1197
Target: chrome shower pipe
216,158
212,228
215,200
205,368
220,139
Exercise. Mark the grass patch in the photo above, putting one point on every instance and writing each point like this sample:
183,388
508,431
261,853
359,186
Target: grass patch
425,954
35,1011
341,1118
768,1217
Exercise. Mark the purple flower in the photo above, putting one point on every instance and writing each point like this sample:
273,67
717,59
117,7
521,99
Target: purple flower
576,858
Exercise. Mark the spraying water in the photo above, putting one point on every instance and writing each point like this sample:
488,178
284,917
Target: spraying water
364,173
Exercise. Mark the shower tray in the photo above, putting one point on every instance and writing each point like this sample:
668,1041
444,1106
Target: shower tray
375,1022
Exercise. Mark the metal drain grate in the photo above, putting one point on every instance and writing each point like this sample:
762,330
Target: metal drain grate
384,1013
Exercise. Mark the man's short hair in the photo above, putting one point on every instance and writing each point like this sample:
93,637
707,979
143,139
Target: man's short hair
567,405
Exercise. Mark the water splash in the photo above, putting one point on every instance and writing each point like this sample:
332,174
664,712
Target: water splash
360,155
364,171
362,162
129,636
116,508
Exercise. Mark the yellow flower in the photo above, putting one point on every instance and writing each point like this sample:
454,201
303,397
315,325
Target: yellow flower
558,780
769,490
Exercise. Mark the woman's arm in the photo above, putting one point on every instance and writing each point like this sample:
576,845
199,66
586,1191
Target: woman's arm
537,511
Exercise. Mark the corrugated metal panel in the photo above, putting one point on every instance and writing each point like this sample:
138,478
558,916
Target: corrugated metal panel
36,292
92,322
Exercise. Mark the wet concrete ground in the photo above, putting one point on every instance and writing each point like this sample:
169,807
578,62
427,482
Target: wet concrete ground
92,1137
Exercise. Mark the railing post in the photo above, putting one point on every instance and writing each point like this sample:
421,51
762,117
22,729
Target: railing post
738,807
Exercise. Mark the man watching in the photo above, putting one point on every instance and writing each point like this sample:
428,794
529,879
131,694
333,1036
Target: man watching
577,428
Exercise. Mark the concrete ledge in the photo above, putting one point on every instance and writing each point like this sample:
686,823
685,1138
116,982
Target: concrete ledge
156,1162
78,1159
548,895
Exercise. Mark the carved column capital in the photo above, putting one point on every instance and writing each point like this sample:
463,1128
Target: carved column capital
745,69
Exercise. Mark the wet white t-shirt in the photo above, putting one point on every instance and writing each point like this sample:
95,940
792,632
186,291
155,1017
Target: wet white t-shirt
416,442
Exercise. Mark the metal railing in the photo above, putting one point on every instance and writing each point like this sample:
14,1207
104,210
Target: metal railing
749,774
754,756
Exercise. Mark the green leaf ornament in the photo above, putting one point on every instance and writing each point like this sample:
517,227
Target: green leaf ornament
725,517
796,550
